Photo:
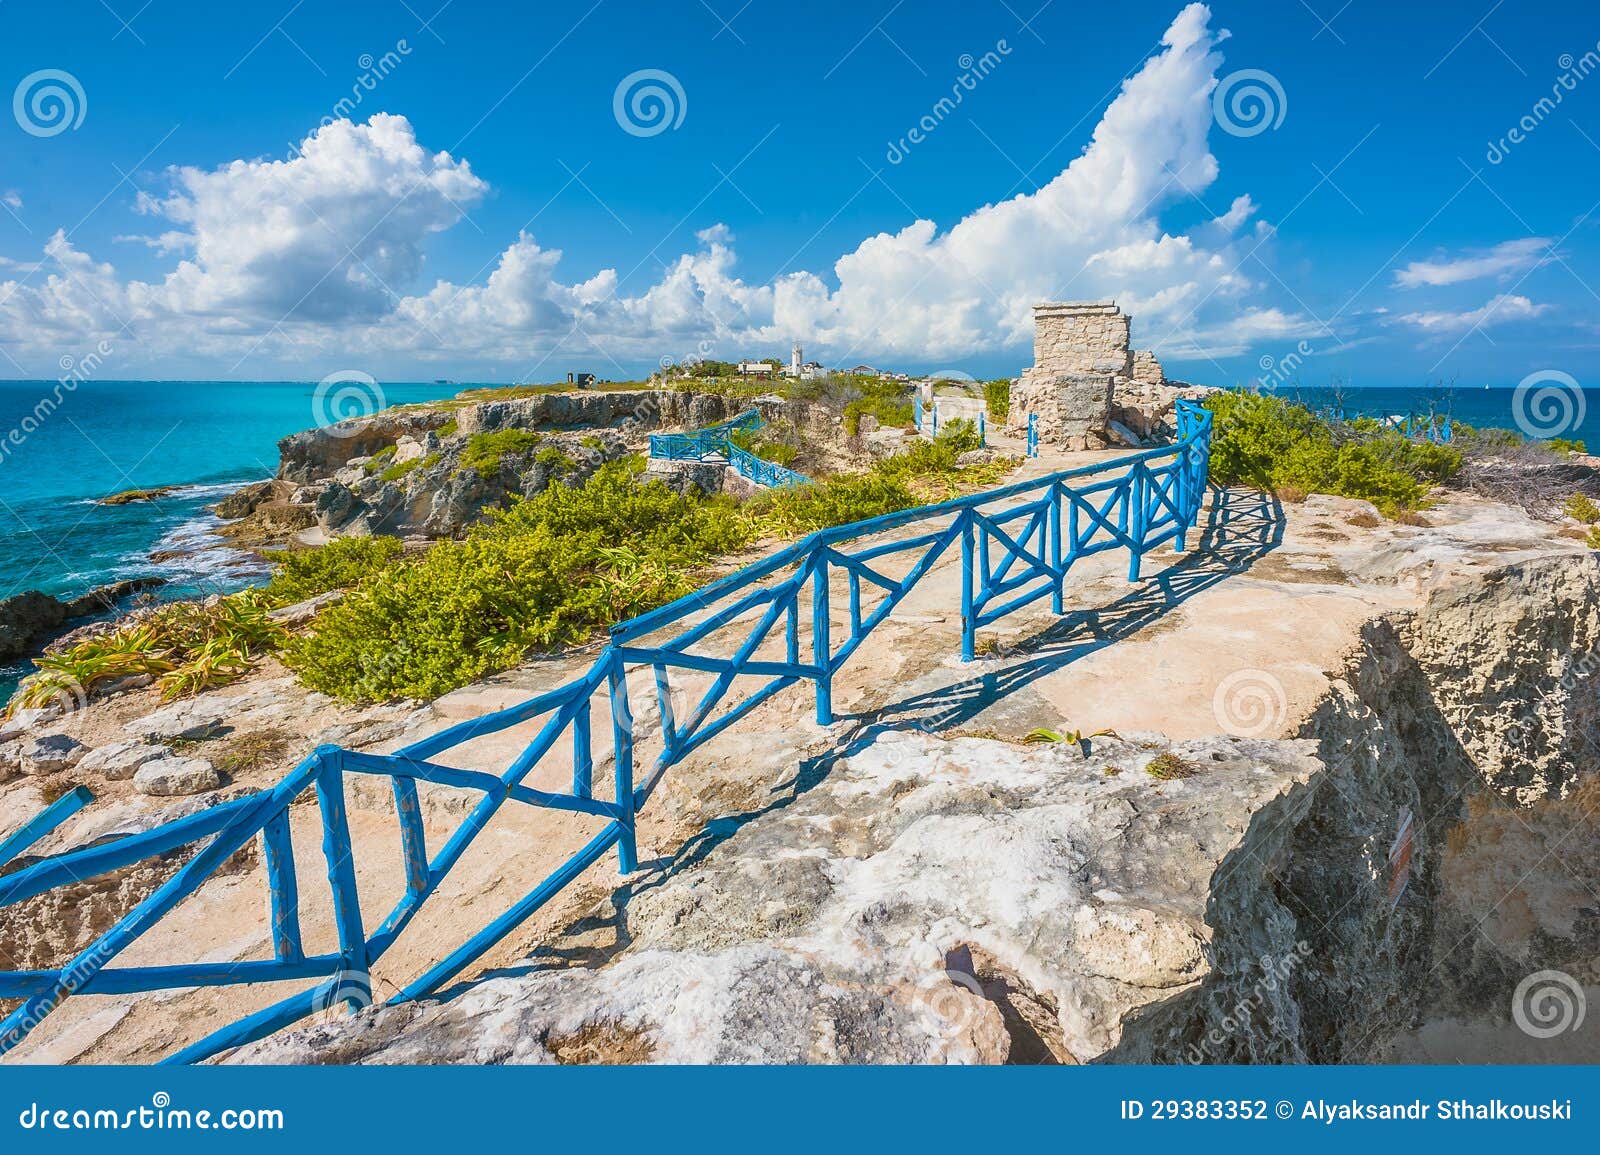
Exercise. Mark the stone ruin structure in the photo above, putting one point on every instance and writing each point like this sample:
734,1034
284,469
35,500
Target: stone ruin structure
1087,385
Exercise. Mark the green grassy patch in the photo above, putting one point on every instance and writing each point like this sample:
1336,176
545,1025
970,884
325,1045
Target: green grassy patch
484,451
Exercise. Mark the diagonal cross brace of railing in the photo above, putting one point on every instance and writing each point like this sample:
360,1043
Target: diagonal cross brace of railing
1017,545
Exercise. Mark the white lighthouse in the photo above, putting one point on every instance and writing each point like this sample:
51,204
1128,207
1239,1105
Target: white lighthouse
795,359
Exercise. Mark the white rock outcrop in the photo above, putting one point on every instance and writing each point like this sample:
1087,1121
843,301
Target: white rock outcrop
167,776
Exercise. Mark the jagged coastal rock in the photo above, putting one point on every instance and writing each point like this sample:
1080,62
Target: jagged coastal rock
31,619
434,472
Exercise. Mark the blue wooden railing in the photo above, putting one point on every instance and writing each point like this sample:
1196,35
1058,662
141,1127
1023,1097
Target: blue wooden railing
1435,427
715,443
1017,544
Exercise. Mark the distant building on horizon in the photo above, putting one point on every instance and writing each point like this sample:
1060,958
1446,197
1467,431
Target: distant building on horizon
801,369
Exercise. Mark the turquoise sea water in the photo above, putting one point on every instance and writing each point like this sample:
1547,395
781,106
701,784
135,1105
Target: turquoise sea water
102,437
1552,410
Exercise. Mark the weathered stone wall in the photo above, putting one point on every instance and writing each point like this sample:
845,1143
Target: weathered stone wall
1147,369
1087,386
1081,337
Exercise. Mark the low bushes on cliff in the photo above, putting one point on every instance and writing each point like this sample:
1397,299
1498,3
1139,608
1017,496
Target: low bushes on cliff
1273,444
342,563
548,572
568,562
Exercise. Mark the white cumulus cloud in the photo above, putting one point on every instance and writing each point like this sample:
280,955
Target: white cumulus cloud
1499,309
276,259
1502,260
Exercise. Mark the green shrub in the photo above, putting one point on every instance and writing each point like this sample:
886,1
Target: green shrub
890,408
850,497
767,449
997,395
1566,446
553,458
484,450
1269,443
401,469
342,563
186,646
379,459
1580,508
547,572
924,472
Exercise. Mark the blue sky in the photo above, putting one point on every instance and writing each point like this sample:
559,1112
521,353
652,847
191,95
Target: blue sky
1377,241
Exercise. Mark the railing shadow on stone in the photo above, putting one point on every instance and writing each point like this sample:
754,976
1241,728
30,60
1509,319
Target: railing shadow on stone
1242,527
1017,544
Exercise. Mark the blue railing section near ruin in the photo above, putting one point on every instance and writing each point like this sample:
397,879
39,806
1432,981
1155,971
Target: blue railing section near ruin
1434,427
774,622
714,443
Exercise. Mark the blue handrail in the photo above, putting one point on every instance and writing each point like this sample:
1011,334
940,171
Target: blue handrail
715,443
1435,427
1017,544
44,822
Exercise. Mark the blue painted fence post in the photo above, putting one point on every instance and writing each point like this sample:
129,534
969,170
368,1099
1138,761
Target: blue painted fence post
916,402
1136,518
1057,595
821,649
983,432
340,856
969,558
1033,435
622,750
